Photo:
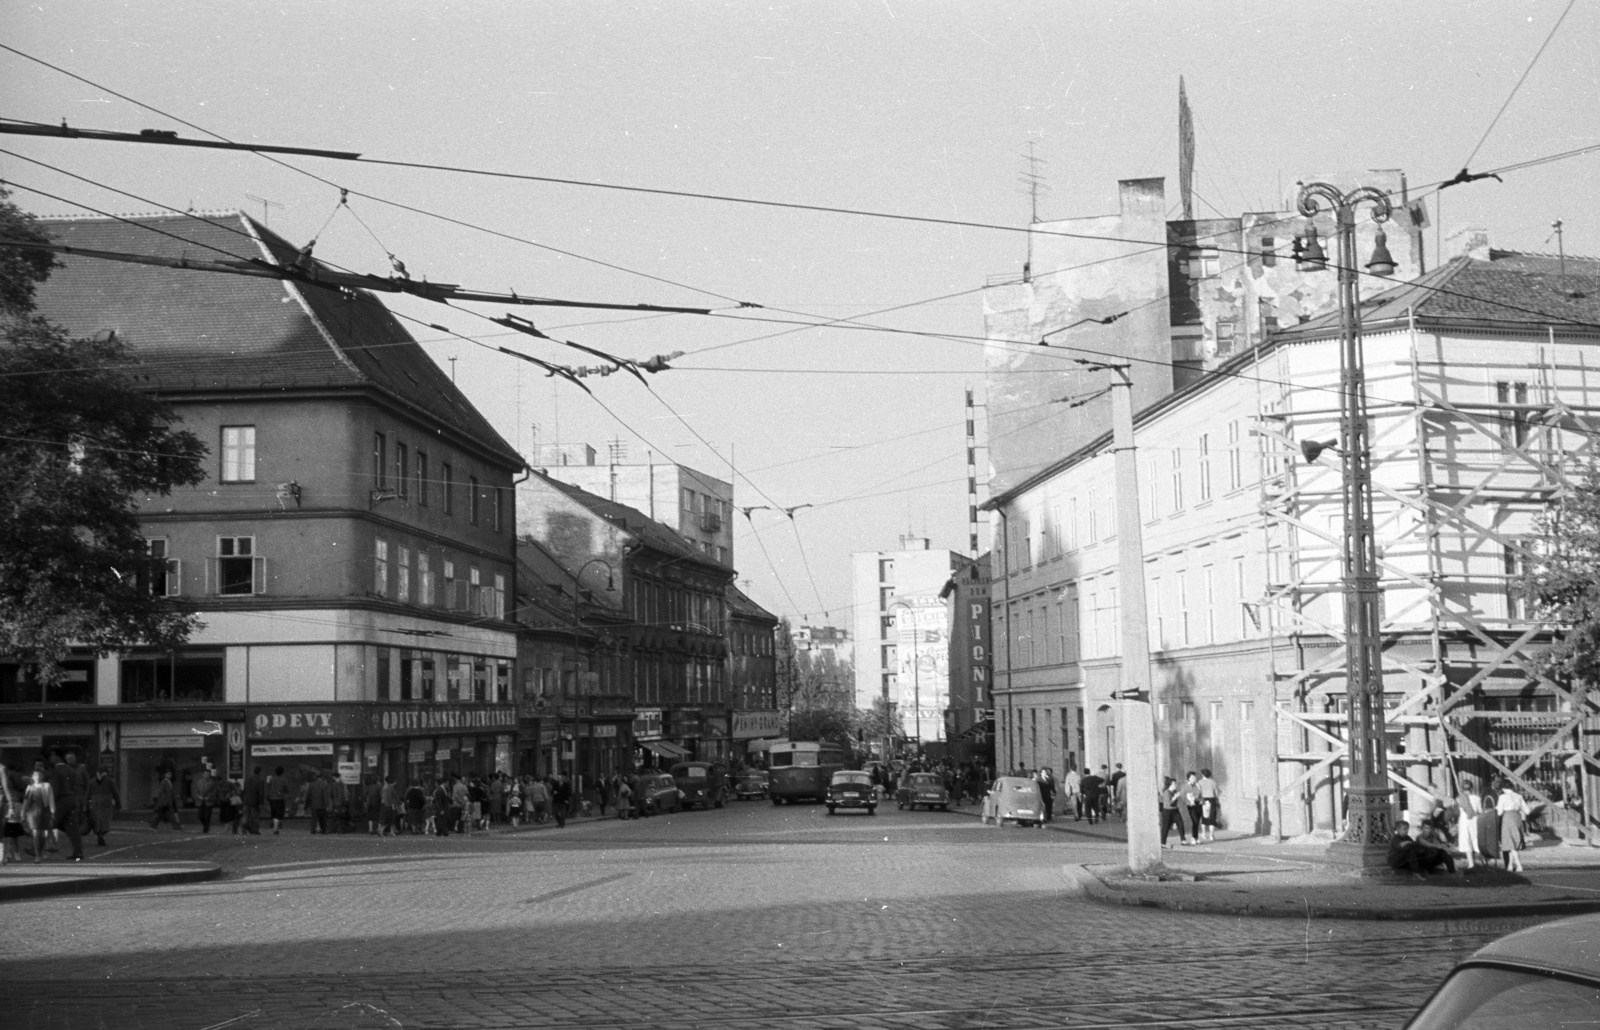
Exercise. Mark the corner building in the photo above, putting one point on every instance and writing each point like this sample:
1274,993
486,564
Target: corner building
350,553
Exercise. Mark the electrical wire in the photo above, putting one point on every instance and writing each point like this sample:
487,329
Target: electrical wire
1524,78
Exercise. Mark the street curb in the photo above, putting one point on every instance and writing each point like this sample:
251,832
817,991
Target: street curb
1095,889
194,873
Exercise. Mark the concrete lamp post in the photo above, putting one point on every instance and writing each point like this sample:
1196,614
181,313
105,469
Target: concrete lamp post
1364,844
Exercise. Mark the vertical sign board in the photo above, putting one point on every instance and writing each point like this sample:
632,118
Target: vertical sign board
236,750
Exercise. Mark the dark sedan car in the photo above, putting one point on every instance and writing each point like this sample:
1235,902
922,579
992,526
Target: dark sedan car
658,792
852,788
750,783
926,789
701,783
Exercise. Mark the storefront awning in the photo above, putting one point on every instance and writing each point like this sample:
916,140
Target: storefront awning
665,749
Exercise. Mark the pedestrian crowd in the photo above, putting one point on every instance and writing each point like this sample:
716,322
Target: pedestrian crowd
1485,827
57,799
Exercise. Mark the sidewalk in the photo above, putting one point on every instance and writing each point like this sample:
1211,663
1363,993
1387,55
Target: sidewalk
25,880
1256,876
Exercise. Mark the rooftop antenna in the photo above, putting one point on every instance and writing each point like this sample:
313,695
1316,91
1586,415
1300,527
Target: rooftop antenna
265,204
1561,245
452,371
1033,184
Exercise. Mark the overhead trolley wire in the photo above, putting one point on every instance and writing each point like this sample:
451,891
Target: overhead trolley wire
1523,78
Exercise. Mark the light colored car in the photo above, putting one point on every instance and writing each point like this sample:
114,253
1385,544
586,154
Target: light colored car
926,789
1535,979
1013,799
852,788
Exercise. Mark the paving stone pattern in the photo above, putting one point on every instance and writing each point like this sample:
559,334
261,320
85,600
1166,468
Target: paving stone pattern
747,917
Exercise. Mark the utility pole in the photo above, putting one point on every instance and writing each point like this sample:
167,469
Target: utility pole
1137,695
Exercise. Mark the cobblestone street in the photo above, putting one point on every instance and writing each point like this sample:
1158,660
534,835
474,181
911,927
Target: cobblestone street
750,916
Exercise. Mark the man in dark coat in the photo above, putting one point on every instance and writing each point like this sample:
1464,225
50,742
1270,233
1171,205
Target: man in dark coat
253,797
1092,787
69,781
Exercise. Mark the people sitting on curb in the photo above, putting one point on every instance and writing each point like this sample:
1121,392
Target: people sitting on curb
1420,857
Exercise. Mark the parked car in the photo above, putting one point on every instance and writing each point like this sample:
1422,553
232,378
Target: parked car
658,792
701,783
1013,798
922,788
1544,976
750,783
852,788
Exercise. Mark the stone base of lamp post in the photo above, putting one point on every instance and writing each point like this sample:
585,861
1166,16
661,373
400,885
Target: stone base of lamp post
1364,848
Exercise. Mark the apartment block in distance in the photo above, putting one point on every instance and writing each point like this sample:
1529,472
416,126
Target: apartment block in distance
902,632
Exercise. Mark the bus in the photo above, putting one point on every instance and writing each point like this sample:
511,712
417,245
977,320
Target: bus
800,769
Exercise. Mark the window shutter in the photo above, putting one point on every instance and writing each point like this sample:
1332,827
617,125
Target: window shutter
174,577
258,575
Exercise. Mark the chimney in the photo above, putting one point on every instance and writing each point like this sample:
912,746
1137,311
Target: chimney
1469,240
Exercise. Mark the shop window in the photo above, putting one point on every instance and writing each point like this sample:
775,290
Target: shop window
237,569
20,685
408,665
480,680
425,678
187,677
383,670
238,454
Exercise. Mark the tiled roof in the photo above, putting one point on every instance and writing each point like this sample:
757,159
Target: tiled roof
740,604
205,331
1509,289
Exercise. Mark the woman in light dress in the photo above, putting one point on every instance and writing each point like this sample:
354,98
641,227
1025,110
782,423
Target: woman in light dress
38,812
1469,806
1513,809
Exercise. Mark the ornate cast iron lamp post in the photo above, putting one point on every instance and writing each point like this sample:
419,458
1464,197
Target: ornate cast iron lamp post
1367,826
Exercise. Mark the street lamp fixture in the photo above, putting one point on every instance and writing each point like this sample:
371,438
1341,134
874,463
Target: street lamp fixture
1367,825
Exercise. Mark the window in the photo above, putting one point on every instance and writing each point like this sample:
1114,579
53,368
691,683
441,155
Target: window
1243,598
1181,580
1094,518
1513,565
1152,491
498,608
472,499
453,674
1072,524
885,595
402,575
885,570
1247,749
1177,480
424,578
408,665
448,486
402,465
1204,263
383,669
1158,617
1215,735
164,576
425,678
1513,420
380,567
475,598
1269,253
237,568
1235,459
1205,466
450,599
502,681
380,459
238,454
499,509
191,676
689,500
480,679
1208,596
422,478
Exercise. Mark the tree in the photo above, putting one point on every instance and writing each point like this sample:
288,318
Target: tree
1562,586
81,439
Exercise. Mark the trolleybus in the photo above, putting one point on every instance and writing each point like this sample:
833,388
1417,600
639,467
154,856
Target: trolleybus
801,769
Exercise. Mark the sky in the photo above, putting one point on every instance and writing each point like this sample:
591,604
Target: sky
920,109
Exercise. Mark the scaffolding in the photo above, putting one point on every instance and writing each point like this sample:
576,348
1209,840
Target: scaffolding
1472,438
